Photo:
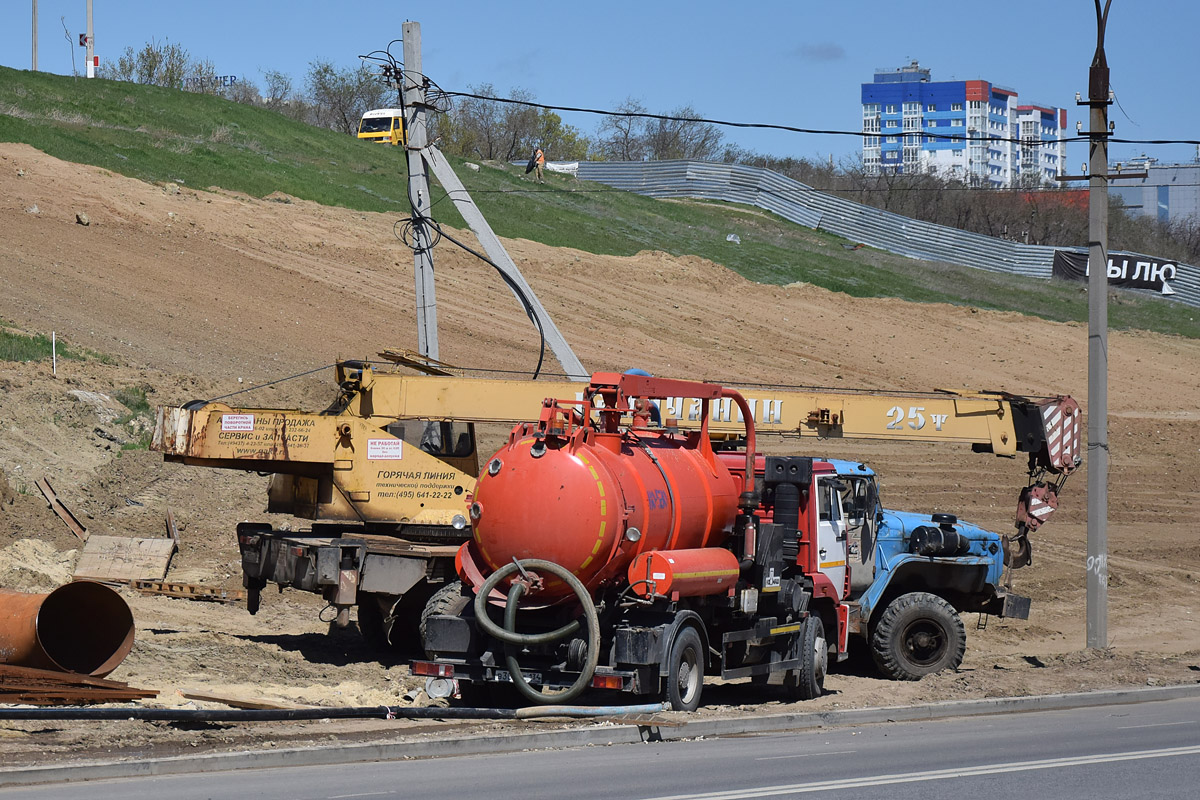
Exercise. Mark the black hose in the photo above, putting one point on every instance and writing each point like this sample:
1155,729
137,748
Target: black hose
508,634
253,715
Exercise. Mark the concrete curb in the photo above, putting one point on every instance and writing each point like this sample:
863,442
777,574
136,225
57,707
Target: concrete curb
618,734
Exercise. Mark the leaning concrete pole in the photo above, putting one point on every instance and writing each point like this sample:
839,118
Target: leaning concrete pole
1097,449
416,137
35,35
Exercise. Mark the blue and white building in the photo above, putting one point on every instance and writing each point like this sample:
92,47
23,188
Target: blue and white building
958,129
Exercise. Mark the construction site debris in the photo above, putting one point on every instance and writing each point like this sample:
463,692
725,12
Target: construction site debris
125,558
189,591
232,702
61,510
41,687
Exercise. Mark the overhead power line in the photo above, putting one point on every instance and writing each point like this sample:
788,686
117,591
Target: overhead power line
950,137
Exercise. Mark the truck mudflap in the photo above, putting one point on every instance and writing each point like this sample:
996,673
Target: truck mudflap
638,680
1014,606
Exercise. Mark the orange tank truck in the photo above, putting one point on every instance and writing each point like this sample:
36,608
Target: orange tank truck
620,553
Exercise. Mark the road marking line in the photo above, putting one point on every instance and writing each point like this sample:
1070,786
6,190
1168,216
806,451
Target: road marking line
807,755
933,775
362,794
1157,725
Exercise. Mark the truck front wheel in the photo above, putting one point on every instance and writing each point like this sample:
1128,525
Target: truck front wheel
685,670
808,682
918,634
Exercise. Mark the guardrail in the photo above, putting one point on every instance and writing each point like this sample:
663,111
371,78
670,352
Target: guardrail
885,230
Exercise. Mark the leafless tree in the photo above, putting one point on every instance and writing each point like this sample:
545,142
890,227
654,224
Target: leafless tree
340,96
622,135
682,134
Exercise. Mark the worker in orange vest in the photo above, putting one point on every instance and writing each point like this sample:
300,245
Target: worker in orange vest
539,161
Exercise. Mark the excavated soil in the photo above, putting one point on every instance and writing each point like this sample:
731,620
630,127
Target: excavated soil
201,293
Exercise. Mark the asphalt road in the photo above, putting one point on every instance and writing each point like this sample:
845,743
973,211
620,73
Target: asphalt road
1146,750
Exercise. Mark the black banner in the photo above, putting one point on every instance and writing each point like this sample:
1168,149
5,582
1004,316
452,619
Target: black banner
1125,270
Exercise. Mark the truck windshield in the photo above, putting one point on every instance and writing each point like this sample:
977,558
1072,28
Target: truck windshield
375,125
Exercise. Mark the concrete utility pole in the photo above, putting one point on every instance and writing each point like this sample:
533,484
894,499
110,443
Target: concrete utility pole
416,137
1097,455
422,157
91,44
35,35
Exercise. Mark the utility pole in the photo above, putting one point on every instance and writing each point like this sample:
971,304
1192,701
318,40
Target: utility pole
1097,455
91,44
1097,450
416,137
423,157
35,35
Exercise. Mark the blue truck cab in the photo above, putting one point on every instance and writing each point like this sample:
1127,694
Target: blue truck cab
912,575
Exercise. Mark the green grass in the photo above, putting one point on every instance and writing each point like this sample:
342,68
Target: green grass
17,346
133,398
162,135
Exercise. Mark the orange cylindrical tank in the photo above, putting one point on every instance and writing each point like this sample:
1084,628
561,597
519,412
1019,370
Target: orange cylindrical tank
593,501
684,573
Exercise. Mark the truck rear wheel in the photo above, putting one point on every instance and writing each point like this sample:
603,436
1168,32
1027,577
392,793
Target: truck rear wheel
447,600
918,634
808,682
685,670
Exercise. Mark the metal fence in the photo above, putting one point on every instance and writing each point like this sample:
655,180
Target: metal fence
804,205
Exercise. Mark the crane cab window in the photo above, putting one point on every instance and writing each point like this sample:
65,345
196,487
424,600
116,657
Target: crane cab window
438,438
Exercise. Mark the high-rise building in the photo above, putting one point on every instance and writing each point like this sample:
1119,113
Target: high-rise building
967,130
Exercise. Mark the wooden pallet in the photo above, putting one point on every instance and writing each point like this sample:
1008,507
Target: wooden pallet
189,591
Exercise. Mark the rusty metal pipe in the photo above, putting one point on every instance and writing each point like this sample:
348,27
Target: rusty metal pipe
82,627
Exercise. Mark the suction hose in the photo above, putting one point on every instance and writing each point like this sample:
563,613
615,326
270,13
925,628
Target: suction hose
509,635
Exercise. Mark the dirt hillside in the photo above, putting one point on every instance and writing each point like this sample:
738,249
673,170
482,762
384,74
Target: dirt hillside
201,293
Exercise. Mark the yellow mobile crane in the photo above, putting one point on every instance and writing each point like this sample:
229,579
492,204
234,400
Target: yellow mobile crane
386,473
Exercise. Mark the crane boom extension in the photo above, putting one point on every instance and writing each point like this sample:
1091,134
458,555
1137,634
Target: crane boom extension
992,422
398,449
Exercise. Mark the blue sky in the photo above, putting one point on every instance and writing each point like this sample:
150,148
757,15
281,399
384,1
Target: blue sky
794,63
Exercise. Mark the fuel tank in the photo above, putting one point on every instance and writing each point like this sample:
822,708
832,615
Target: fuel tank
592,501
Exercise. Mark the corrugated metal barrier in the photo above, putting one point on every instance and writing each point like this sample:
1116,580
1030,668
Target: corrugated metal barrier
803,205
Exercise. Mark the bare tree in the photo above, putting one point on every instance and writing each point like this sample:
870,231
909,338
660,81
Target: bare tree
682,135
278,89
244,92
168,65
339,97
485,127
622,135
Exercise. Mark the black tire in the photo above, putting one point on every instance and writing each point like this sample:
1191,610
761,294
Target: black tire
808,682
447,600
918,634
685,670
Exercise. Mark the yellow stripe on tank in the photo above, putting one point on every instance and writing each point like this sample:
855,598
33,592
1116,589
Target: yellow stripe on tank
603,512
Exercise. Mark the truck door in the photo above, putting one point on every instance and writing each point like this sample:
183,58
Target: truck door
860,502
831,533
